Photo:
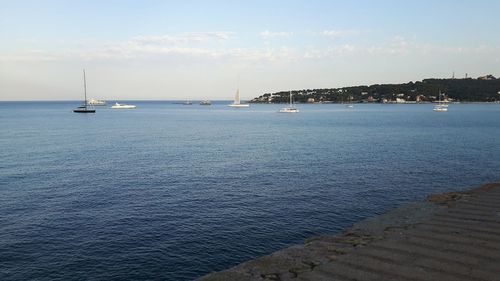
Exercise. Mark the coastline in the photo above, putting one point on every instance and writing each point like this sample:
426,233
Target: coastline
309,260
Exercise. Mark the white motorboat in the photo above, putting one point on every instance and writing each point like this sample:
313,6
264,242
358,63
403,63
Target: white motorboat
205,102
123,106
96,102
291,108
236,102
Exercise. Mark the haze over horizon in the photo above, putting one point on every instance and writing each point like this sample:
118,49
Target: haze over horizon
206,49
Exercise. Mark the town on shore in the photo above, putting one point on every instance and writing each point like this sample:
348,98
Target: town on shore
483,89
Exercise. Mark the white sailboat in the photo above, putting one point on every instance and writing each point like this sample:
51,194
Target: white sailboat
440,107
85,108
291,108
236,102
350,105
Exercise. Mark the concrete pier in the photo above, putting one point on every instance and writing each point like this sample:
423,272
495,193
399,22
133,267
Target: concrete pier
452,236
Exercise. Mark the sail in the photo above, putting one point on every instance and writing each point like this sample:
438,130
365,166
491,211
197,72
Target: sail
85,88
237,97
237,101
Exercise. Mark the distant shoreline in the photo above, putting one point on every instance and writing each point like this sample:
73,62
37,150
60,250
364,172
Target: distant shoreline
483,89
229,101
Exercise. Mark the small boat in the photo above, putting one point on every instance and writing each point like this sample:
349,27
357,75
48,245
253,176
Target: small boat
440,107
85,108
187,103
350,105
96,102
236,102
123,106
291,108
205,102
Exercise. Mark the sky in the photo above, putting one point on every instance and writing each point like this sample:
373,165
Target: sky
191,50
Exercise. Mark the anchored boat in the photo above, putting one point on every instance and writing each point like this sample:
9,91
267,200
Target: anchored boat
291,108
123,106
236,102
85,108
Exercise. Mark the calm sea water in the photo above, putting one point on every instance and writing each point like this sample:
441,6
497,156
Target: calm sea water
172,192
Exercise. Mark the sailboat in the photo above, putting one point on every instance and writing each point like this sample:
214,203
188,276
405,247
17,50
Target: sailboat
85,108
236,102
440,107
350,105
291,108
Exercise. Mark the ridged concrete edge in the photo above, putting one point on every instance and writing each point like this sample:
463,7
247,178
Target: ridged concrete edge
290,262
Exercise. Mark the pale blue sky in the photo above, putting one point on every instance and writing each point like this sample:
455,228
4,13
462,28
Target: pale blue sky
198,49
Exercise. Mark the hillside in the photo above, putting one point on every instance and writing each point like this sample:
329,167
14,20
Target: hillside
482,89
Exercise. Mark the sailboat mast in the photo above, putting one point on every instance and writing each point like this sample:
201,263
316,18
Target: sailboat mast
290,98
85,87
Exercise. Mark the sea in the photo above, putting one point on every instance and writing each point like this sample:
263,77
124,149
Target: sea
172,192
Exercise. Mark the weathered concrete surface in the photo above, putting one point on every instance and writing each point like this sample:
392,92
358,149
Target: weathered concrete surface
451,236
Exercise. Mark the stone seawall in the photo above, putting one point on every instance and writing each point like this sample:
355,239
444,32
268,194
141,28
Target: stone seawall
450,236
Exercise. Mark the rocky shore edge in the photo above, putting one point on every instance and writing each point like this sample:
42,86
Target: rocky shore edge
288,263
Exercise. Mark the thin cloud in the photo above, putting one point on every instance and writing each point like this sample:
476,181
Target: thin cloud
397,46
32,56
331,52
182,39
182,48
268,34
338,33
